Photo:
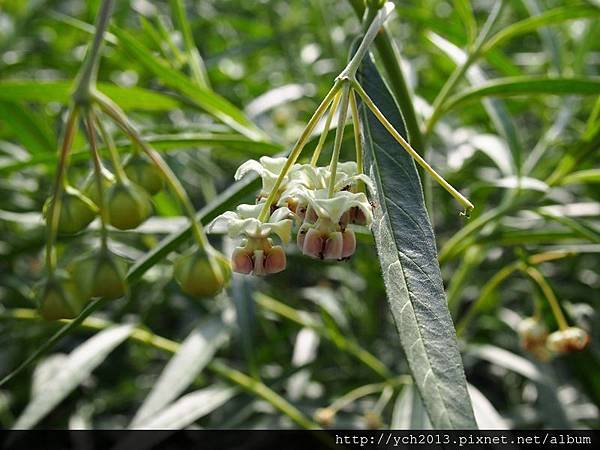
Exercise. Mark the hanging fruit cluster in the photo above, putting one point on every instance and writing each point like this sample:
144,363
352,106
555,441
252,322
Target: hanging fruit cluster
536,339
121,198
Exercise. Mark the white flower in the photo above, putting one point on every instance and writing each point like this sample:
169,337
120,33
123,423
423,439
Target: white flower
335,206
244,222
268,169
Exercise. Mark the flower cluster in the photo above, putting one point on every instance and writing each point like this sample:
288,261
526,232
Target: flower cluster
323,210
543,345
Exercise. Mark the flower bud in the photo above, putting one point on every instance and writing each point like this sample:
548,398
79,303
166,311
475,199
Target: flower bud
373,420
76,211
324,417
128,205
568,340
200,277
533,336
60,298
100,274
142,172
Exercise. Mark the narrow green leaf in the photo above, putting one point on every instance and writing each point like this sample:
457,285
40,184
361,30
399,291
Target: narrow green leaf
582,176
465,12
211,102
510,361
488,418
227,144
29,129
526,86
495,108
79,365
195,352
60,91
408,257
190,408
409,412
554,16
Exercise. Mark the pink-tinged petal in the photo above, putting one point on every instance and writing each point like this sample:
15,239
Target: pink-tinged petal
334,246
357,216
311,215
345,219
302,235
313,244
259,262
275,260
241,262
349,243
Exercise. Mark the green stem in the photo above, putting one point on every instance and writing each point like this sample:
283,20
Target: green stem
86,80
315,157
357,137
89,125
398,137
367,389
295,153
339,135
459,71
53,215
537,276
113,152
122,121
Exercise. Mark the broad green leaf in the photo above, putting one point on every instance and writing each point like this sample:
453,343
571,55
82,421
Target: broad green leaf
409,412
188,409
495,108
526,86
60,91
551,17
211,102
195,353
78,366
407,253
29,129
227,144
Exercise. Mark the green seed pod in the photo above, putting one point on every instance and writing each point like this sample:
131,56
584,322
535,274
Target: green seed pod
60,298
100,274
143,172
196,276
90,187
128,205
76,211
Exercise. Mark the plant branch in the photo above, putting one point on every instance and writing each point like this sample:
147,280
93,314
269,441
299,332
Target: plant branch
315,157
339,135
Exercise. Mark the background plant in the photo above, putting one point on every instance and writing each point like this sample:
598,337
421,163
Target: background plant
501,99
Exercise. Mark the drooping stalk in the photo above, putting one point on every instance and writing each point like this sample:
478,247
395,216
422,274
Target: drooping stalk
53,213
398,137
315,157
339,135
112,151
122,121
539,279
91,132
295,153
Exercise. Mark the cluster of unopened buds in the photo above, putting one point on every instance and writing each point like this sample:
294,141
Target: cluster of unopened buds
323,219
536,339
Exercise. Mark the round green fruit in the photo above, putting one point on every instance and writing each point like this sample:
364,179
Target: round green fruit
142,172
76,211
128,205
196,276
100,275
60,298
